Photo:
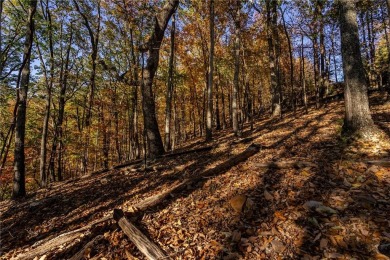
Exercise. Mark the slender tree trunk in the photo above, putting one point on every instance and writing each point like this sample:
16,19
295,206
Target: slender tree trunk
304,94
316,67
49,86
150,121
291,63
237,31
322,52
222,95
19,189
387,46
7,142
217,114
271,6
209,116
369,49
116,123
58,136
94,40
357,112
334,59
135,143
106,138
168,108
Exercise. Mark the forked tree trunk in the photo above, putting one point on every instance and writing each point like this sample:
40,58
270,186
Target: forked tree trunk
19,189
357,112
156,146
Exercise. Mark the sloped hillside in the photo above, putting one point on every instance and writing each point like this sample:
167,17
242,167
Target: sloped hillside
288,189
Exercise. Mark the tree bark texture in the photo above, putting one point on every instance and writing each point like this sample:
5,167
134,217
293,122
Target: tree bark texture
168,108
272,18
209,114
156,146
357,111
236,82
19,189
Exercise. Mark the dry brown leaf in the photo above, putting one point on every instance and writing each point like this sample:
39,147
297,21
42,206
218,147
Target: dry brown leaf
280,215
268,195
238,202
323,243
236,236
278,246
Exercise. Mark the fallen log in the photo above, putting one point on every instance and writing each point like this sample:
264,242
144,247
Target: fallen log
80,254
156,199
285,164
42,247
49,244
145,246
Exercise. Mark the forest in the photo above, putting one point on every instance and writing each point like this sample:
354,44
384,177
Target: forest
194,129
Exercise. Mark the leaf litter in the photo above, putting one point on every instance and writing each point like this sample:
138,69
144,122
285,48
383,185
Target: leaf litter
337,209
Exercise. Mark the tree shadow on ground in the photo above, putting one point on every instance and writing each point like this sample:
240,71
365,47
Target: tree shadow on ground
354,231
88,198
71,204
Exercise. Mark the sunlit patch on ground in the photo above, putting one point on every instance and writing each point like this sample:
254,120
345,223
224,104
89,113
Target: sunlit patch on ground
334,208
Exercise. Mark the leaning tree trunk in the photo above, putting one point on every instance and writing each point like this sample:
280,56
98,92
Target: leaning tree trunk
357,112
19,189
156,146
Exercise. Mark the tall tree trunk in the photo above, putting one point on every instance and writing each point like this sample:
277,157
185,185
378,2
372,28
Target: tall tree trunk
209,116
94,40
334,58
168,108
322,52
135,143
236,83
303,77
217,113
357,112
19,189
293,102
58,135
388,47
150,121
272,18
316,68
49,86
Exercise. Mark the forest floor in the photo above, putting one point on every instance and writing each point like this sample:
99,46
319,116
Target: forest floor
334,205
